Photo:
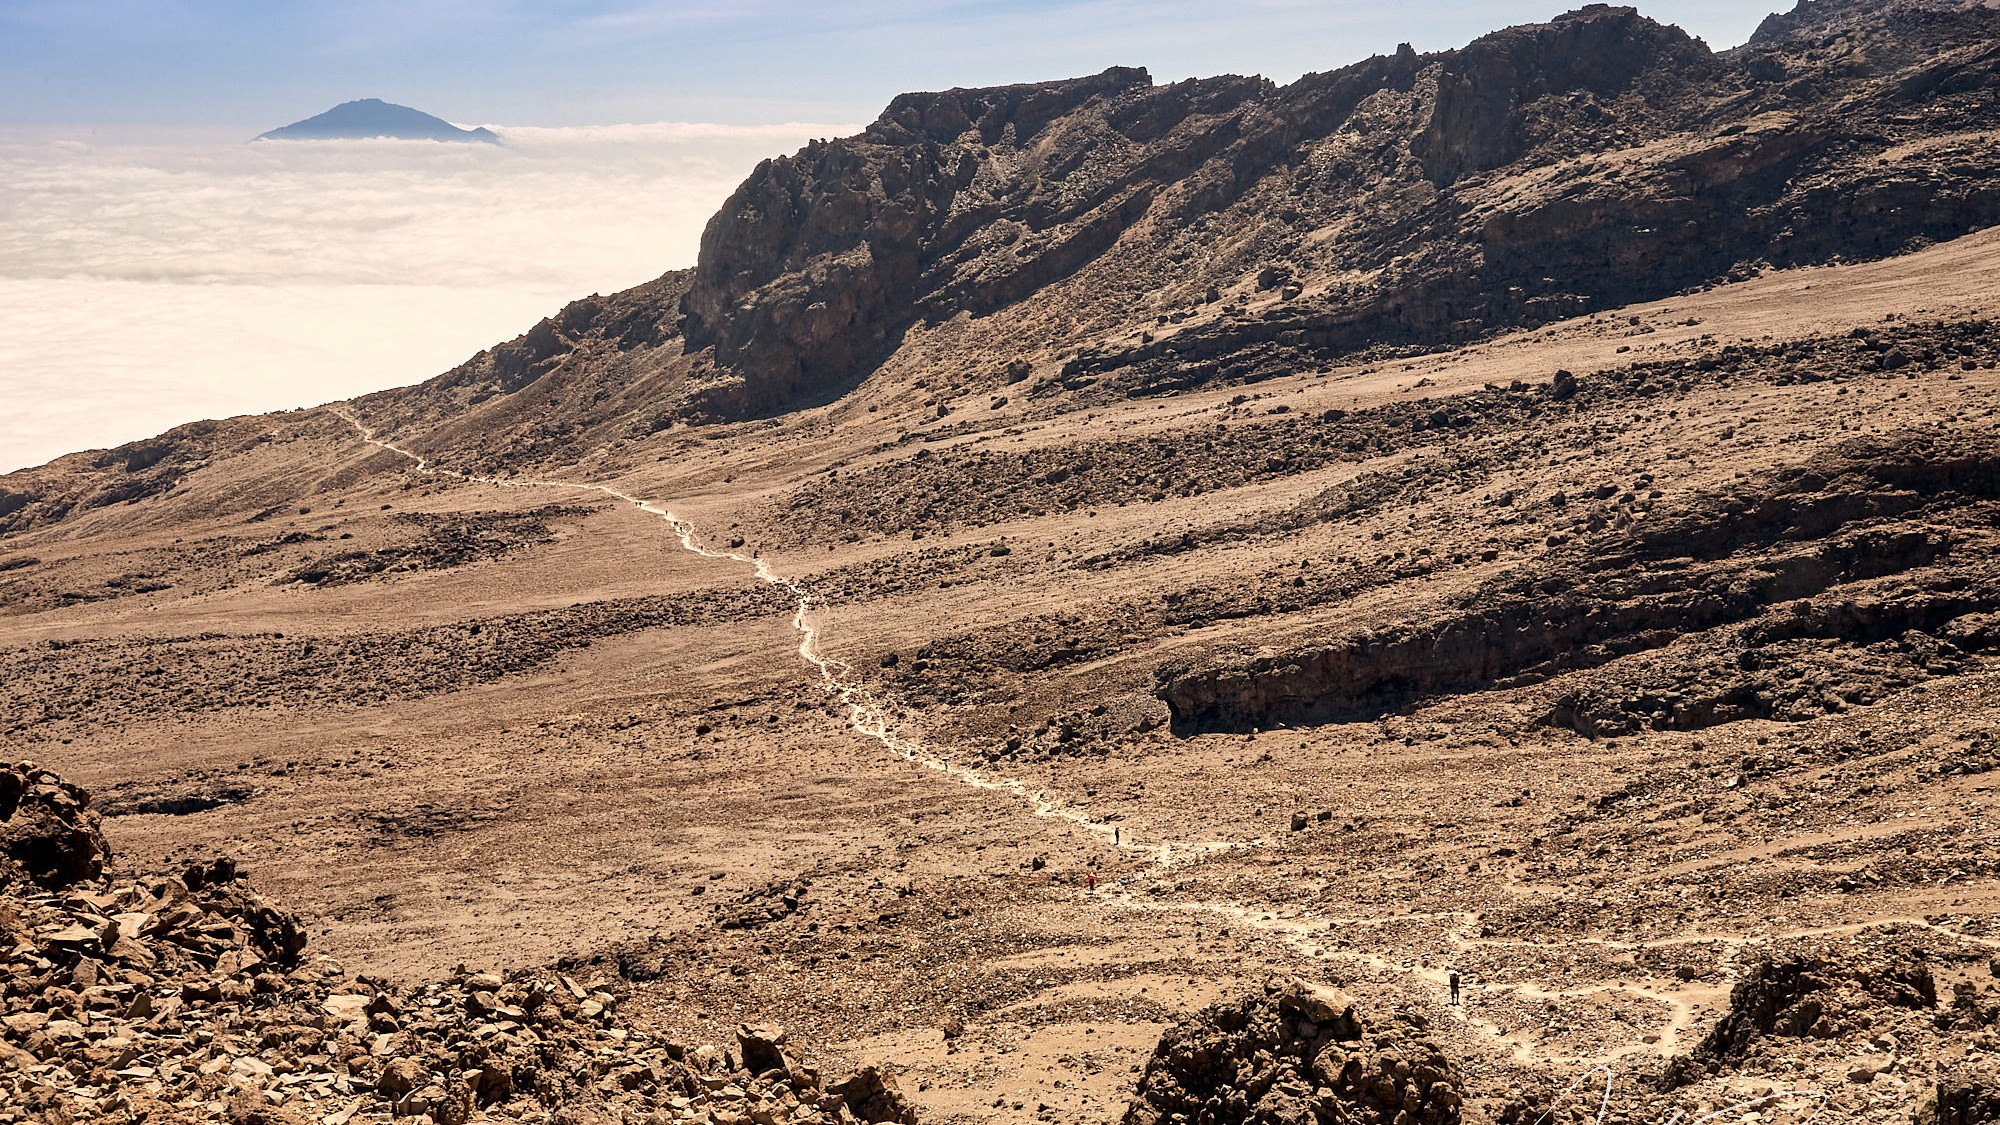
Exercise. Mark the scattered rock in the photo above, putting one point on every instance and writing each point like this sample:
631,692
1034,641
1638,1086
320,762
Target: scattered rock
199,981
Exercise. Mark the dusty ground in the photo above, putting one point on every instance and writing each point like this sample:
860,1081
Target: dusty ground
454,721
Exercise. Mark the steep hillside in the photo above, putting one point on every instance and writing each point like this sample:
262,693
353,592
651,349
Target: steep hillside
1407,200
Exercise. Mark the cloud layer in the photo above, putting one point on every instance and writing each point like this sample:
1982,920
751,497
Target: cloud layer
148,279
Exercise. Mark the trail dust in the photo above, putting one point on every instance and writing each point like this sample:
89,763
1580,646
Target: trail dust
865,714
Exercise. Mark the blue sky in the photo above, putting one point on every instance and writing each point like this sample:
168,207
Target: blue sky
253,64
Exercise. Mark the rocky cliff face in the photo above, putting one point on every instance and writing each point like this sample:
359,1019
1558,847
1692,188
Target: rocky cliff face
1484,111
1231,227
957,201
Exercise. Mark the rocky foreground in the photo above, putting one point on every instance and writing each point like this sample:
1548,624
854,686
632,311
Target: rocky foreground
190,998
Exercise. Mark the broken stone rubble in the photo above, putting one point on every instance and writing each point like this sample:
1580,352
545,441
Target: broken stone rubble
190,998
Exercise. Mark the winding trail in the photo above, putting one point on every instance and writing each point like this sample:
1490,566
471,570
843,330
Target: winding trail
865,714
1302,932
868,718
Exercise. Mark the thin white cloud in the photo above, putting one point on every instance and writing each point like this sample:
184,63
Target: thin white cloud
147,281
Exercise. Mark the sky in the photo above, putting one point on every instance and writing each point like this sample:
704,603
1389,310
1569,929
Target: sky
155,268
255,63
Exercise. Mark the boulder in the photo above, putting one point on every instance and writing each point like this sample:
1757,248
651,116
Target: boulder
1963,1095
1297,1055
872,1095
761,1049
48,833
400,1078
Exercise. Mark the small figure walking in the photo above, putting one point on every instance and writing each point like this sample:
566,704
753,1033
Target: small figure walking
1451,978
1090,880
1117,835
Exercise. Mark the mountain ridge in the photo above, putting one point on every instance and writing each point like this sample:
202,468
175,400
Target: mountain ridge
812,273
373,118
1401,202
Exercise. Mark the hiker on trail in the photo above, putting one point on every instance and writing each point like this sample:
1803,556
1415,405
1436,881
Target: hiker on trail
1091,880
1451,978
1116,835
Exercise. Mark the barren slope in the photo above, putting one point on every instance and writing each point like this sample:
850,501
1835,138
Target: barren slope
1602,657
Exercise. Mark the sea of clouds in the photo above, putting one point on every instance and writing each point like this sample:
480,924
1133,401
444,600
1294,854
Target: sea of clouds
153,278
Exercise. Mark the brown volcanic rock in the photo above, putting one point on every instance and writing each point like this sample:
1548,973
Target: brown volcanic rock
872,1095
1967,1095
1297,1054
819,259
1470,204
204,979
1800,995
1879,25
49,834
1481,117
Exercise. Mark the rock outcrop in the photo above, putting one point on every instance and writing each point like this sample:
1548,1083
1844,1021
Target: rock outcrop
953,201
1461,185
1801,995
49,835
1781,572
1296,1054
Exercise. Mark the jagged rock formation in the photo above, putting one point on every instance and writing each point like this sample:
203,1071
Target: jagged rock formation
1293,1055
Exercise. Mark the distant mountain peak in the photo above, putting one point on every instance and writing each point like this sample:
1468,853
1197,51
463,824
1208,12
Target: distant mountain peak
373,117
